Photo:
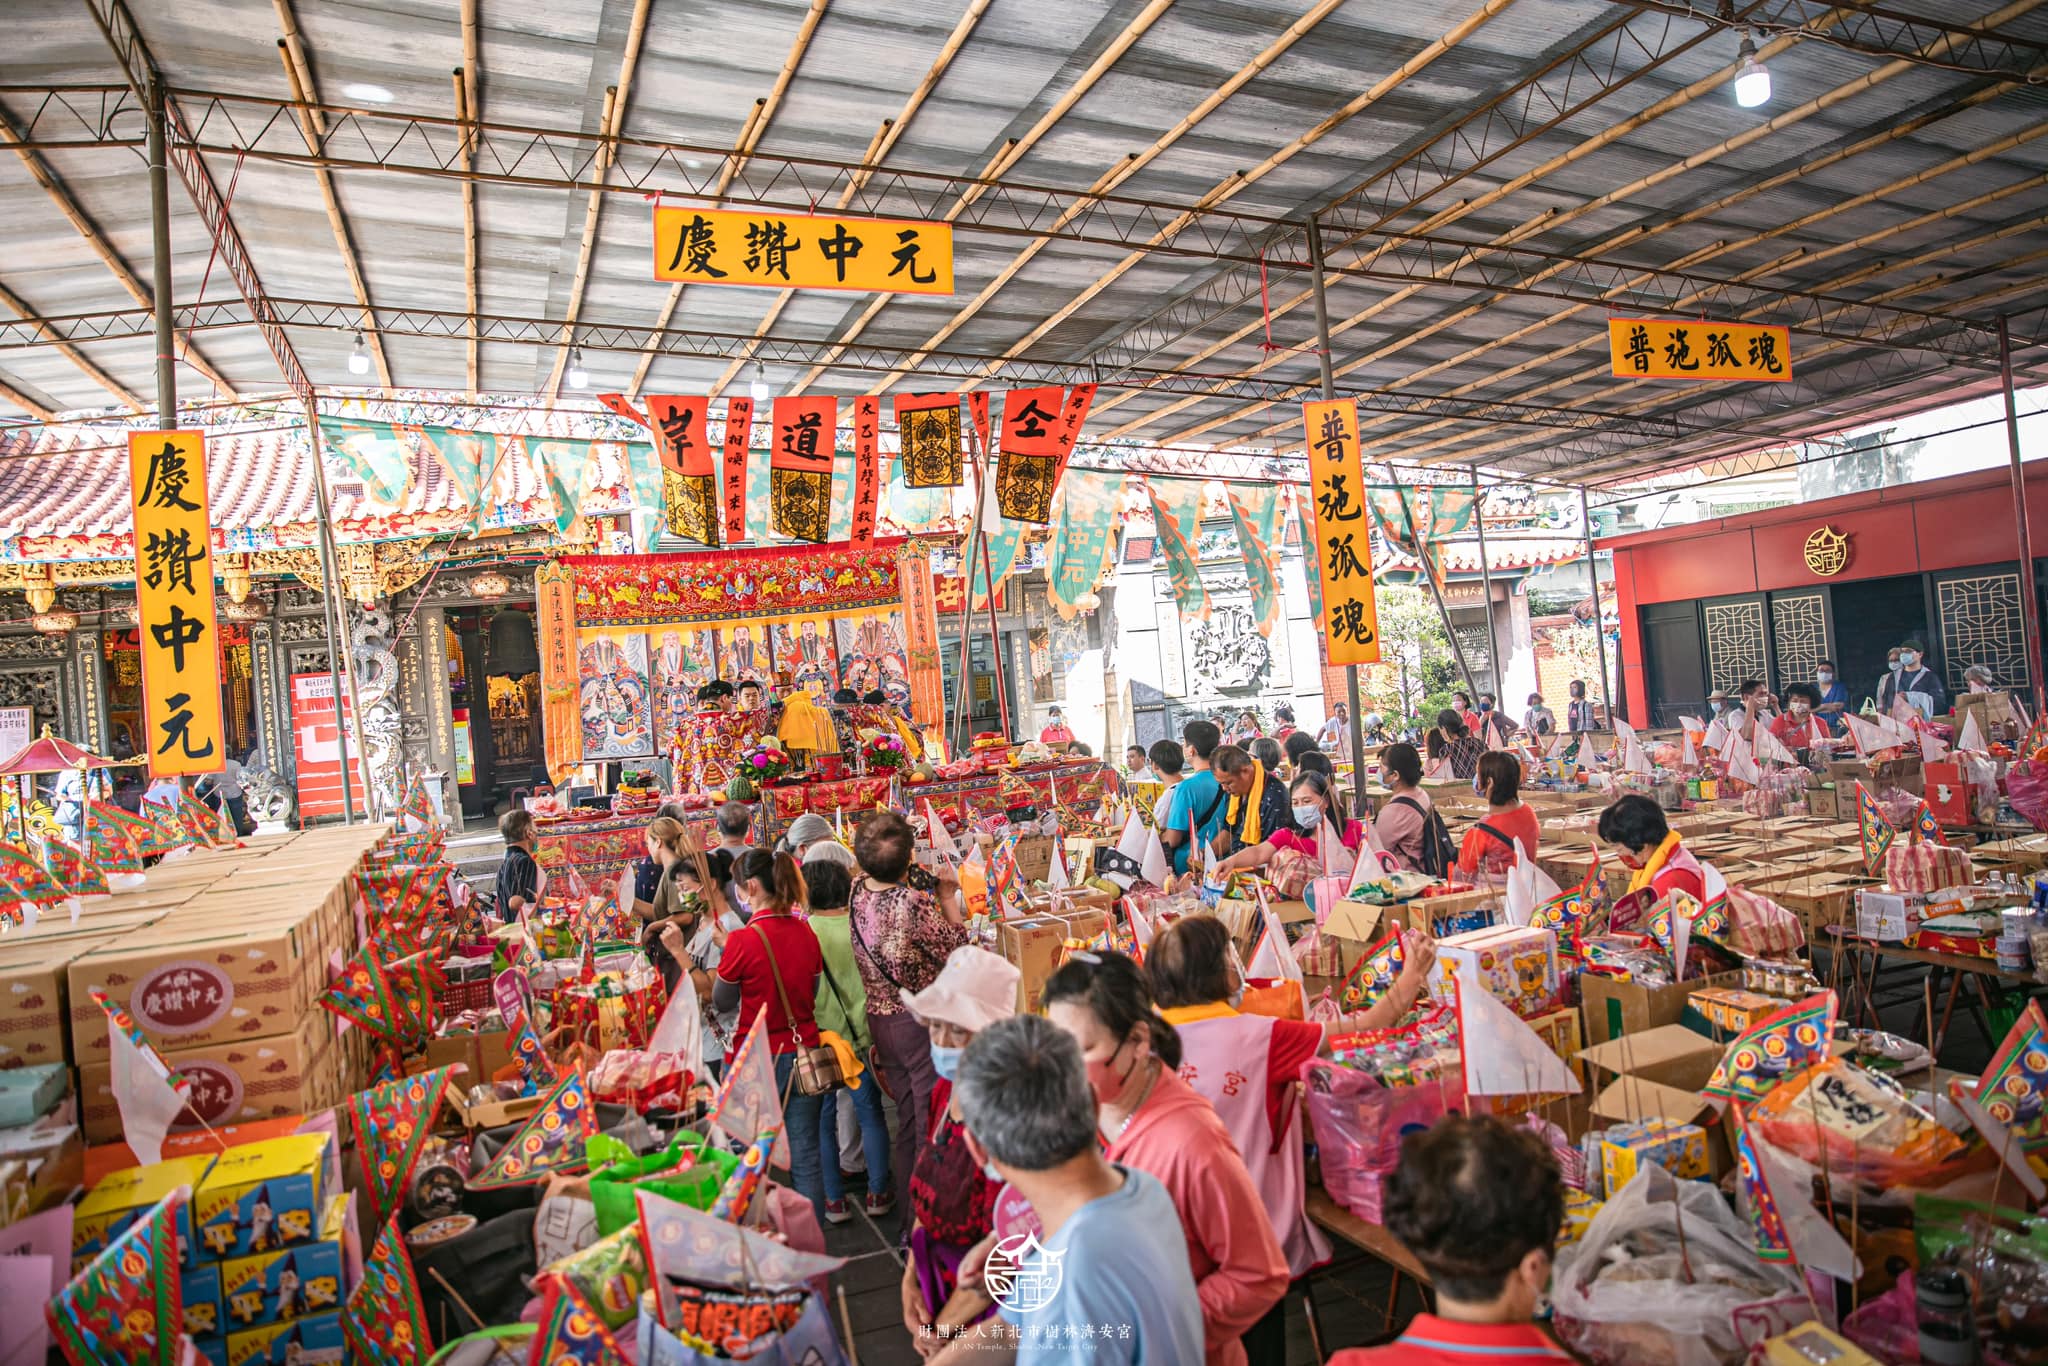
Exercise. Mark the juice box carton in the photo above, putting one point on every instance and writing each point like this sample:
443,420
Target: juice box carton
301,1342
201,1289
124,1196
261,1197
1680,1149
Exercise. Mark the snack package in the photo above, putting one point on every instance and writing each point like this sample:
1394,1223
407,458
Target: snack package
1857,1122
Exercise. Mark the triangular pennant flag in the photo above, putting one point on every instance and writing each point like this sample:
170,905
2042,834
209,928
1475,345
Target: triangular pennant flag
572,1331
1131,845
679,1033
1273,957
390,1125
1779,1199
619,404
1925,827
736,1196
551,1141
402,890
199,818
1774,1048
1562,913
1528,888
362,996
1142,932
1503,1056
749,1102
1056,876
1870,735
1374,975
1716,735
69,865
1688,756
1742,767
23,877
115,844
1902,712
384,1322
684,1246
1933,748
148,1093
1971,737
514,996
1876,830
127,1308
163,830
2014,1084
1156,868
1770,749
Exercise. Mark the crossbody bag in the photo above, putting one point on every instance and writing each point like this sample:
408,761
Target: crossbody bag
816,1071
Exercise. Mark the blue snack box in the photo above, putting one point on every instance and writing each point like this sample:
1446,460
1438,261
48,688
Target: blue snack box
214,1348
260,1197
295,1282
200,1288
317,1339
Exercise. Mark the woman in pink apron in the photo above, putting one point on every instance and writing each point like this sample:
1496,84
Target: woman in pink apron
1249,1067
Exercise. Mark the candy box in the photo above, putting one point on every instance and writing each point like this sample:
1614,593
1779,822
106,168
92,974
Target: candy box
272,1287
1517,963
201,1288
1680,1149
316,1339
125,1196
1579,1209
260,1197
1730,1010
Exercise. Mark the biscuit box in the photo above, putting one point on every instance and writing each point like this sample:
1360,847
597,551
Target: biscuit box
200,1286
125,1196
302,1342
238,1081
1517,963
273,1287
260,1197
187,981
1680,1149
1731,1010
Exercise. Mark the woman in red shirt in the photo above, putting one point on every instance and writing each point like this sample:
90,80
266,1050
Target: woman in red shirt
1489,846
1646,843
770,969
1315,805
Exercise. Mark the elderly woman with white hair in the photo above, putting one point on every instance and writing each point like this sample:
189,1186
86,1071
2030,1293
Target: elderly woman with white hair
810,836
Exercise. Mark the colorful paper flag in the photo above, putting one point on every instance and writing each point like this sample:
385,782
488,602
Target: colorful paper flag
1502,1055
736,1197
2014,1085
362,995
115,845
514,996
384,1322
127,1308
1177,517
1374,975
1925,827
749,1102
800,466
1773,1244
552,1140
572,1332
929,429
1780,1203
1774,1048
1563,912
73,870
391,1124
1876,830
23,877
1255,513
149,1093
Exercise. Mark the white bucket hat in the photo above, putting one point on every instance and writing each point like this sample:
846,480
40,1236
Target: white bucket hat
974,990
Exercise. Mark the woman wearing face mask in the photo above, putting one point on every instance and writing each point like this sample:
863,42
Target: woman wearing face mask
1914,677
1800,726
1834,697
952,1202
1650,848
1248,1067
1150,1120
1315,805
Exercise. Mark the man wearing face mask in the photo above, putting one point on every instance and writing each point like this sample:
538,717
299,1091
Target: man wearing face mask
1479,1202
1914,677
1834,697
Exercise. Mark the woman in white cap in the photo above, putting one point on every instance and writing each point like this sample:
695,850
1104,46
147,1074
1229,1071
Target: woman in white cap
952,1203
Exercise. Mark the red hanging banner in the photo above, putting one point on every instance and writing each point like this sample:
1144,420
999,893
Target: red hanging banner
929,428
800,467
1079,399
618,404
739,423
867,467
977,406
688,473
1028,464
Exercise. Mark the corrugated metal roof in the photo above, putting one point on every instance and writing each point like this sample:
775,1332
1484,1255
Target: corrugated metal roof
705,63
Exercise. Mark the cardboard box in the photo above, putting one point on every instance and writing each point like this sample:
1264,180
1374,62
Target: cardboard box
125,1196
1667,1055
1888,917
191,983
1433,915
318,1339
1731,1010
1613,1009
1812,1344
1516,963
1560,1029
1826,899
274,1287
29,1093
1036,945
261,1197
200,1286
33,1003
1680,1149
234,1082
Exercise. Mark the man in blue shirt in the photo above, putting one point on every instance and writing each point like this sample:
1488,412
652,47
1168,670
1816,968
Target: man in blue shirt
1105,1278
1834,696
1199,800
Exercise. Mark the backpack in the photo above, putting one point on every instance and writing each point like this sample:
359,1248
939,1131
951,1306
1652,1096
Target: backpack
1439,854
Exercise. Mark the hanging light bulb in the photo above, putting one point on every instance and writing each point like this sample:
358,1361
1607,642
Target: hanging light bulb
359,359
759,387
578,376
1752,77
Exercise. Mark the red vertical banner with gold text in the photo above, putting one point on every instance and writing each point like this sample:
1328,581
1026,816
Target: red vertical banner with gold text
801,443
174,603
554,617
689,477
1343,531
867,467
739,429
921,635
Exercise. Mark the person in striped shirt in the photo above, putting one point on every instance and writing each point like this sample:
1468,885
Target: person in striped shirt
1479,1202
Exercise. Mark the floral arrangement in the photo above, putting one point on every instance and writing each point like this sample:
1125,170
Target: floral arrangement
765,761
883,752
